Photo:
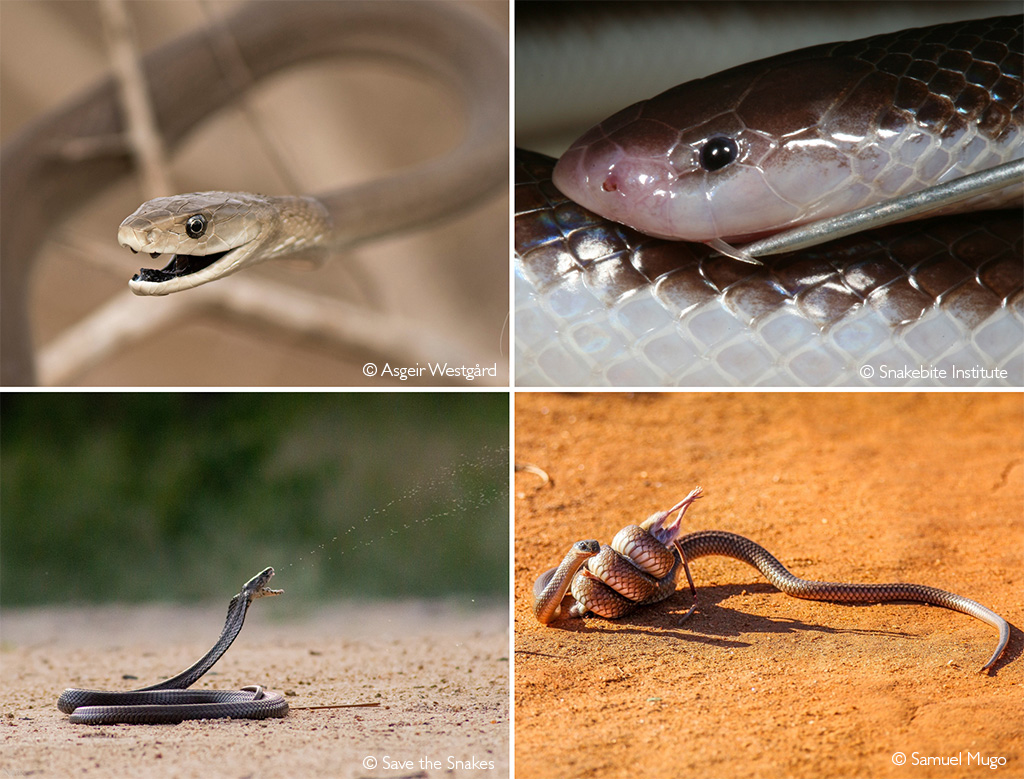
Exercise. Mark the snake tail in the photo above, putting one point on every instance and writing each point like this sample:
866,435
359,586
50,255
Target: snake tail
716,542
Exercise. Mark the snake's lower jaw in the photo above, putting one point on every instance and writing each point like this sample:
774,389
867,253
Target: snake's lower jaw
185,271
180,265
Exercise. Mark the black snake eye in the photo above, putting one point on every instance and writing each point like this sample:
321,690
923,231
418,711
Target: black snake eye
195,226
718,152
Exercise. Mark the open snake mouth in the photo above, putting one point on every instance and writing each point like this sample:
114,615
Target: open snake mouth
180,265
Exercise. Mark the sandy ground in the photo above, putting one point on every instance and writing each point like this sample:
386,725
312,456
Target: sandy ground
916,487
439,675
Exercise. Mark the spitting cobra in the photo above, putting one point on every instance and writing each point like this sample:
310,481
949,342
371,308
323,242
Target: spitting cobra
169,701
642,564
759,148
46,177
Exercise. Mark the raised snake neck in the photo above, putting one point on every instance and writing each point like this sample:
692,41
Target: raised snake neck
42,185
591,592
169,701
598,303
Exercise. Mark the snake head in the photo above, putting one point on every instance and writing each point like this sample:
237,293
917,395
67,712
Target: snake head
210,235
667,532
206,234
256,587
588,548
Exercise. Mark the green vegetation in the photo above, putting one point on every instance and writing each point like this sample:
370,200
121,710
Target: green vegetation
180,496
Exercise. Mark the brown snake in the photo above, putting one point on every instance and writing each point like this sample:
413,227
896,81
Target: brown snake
642,564
602,303
47,175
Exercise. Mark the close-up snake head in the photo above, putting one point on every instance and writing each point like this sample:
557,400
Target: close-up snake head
665,531
679,167
210,235
207,234
812,134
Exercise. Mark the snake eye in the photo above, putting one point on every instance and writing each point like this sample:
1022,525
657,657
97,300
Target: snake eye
195,226
718,152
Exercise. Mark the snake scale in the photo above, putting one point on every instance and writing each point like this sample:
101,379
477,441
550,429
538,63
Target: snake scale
642,564
599,303
45,180
169,701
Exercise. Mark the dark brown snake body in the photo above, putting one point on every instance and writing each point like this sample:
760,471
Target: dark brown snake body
611,583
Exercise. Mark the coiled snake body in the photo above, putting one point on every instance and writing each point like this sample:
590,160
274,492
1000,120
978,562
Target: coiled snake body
643,562
169,701
602,303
